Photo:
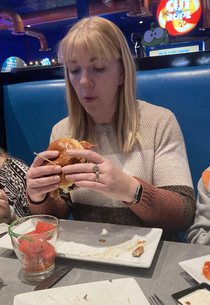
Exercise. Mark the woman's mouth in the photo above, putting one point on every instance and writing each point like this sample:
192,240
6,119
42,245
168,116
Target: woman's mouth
89,99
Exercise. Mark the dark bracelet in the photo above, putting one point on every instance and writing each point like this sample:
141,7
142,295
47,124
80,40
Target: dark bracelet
137,196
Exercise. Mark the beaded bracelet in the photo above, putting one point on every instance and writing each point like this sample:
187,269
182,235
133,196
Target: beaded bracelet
12,213
7,220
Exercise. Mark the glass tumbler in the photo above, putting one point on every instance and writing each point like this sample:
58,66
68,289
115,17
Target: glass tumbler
34,240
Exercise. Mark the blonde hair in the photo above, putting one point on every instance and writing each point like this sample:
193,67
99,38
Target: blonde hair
104,40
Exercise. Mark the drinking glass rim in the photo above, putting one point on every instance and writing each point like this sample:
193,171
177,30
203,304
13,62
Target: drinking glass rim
17,235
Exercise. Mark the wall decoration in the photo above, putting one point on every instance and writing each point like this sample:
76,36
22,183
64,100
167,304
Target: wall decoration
12,63
156,36
179,16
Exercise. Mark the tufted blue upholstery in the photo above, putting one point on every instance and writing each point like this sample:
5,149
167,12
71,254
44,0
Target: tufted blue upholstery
32,108
186,92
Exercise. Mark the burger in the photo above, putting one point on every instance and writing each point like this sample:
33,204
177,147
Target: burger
62,145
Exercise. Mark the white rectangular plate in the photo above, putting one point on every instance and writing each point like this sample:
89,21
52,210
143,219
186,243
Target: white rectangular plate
194,268
107,243
5,242
116,292
3,228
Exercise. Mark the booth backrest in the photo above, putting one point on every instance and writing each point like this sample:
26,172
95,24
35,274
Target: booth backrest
32,108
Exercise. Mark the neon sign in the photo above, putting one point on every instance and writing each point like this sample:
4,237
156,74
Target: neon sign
179,16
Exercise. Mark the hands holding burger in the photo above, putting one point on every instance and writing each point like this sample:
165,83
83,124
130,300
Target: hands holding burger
73,163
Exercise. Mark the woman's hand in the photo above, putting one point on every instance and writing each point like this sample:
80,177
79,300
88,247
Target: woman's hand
42,179
112,182
4,205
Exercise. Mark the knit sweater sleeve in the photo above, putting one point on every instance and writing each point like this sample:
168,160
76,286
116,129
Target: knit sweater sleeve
171,208
168,202
55,204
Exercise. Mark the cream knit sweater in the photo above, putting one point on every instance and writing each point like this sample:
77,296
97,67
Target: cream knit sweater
161,165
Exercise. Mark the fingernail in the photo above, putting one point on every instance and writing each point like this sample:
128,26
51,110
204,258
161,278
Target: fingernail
57,167
57,178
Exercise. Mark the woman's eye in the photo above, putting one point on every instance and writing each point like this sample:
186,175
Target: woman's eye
75,71
99,69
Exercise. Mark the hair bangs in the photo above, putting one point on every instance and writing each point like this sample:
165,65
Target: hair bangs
83,40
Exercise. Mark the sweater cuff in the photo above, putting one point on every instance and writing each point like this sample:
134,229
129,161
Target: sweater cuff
36,203
52,205
158,207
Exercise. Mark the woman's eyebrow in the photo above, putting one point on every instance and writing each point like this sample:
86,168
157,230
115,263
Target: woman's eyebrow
73,61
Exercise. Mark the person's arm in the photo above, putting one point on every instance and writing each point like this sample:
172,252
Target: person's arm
171,208
199,232
169,202
14,201
21,205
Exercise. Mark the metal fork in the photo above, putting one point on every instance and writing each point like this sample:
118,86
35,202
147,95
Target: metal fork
154,300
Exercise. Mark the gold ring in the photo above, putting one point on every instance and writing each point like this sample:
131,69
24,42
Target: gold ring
96,171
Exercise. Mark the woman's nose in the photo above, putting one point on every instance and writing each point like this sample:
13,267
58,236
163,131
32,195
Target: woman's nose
86,79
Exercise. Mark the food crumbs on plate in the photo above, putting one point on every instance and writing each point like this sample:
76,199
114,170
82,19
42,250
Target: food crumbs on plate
129,301
136,244
51,297
140,242
138,251
102,240
110,280
85,297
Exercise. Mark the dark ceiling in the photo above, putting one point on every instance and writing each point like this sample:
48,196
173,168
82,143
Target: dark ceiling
56,16
28,6
25,8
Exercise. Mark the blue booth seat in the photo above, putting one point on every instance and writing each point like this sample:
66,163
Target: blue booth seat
31,109
186,92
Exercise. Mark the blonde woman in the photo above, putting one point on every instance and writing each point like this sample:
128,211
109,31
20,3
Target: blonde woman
13,203
142,177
